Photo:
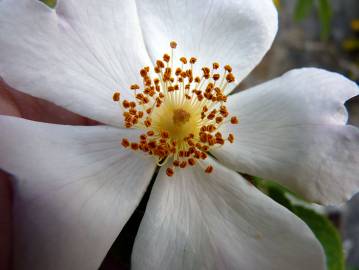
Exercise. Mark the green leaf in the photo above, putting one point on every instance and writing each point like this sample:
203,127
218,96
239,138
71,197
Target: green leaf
325,17
302,9
327,235
50,3
279,196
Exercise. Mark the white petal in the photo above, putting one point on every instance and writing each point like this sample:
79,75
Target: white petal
292,130
238,32
220,221
76,55
75,191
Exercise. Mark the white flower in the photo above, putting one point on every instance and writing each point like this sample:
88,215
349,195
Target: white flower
77,186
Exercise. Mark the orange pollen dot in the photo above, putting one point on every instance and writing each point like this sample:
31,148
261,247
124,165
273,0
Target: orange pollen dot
193,60
134,146
231,138
135,87
234,120
173,44
125,143
169,172
183,60
228,68
116,96
230,77
180,108
209,169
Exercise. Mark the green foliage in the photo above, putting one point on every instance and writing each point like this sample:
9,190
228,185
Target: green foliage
325,17
322,228
327,235
303,9
50,3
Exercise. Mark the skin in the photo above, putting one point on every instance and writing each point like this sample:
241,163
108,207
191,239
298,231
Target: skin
15,103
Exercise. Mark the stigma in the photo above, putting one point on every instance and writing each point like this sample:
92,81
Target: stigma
179,112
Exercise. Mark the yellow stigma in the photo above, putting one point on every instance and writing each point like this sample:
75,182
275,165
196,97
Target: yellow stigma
179,112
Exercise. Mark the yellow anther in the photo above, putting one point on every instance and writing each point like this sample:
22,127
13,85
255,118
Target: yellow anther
193,60
228,68
126,104
183,60
143,72
160,64
157,69
135,87
183,164
209,169
191,161
173,44
116,96
165,135
125,143
231,138
166,57
234,120
216,76
230,77
169,172
134,146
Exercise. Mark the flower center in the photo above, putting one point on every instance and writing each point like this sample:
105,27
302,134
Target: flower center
180,117
180,113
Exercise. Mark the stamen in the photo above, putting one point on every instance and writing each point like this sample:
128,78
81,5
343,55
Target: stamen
180,112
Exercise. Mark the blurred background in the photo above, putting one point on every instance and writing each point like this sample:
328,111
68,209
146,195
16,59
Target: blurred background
323,34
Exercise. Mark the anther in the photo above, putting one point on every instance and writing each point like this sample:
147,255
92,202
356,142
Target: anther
173,44
126,104
183,60
143,72
135,87
166,58
193,60
125,143
191,161
116,96
150,133
230,77
209,169
228,68
169,172
134,146
165,135
160,64
231,138
183,164
216,77
234,120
